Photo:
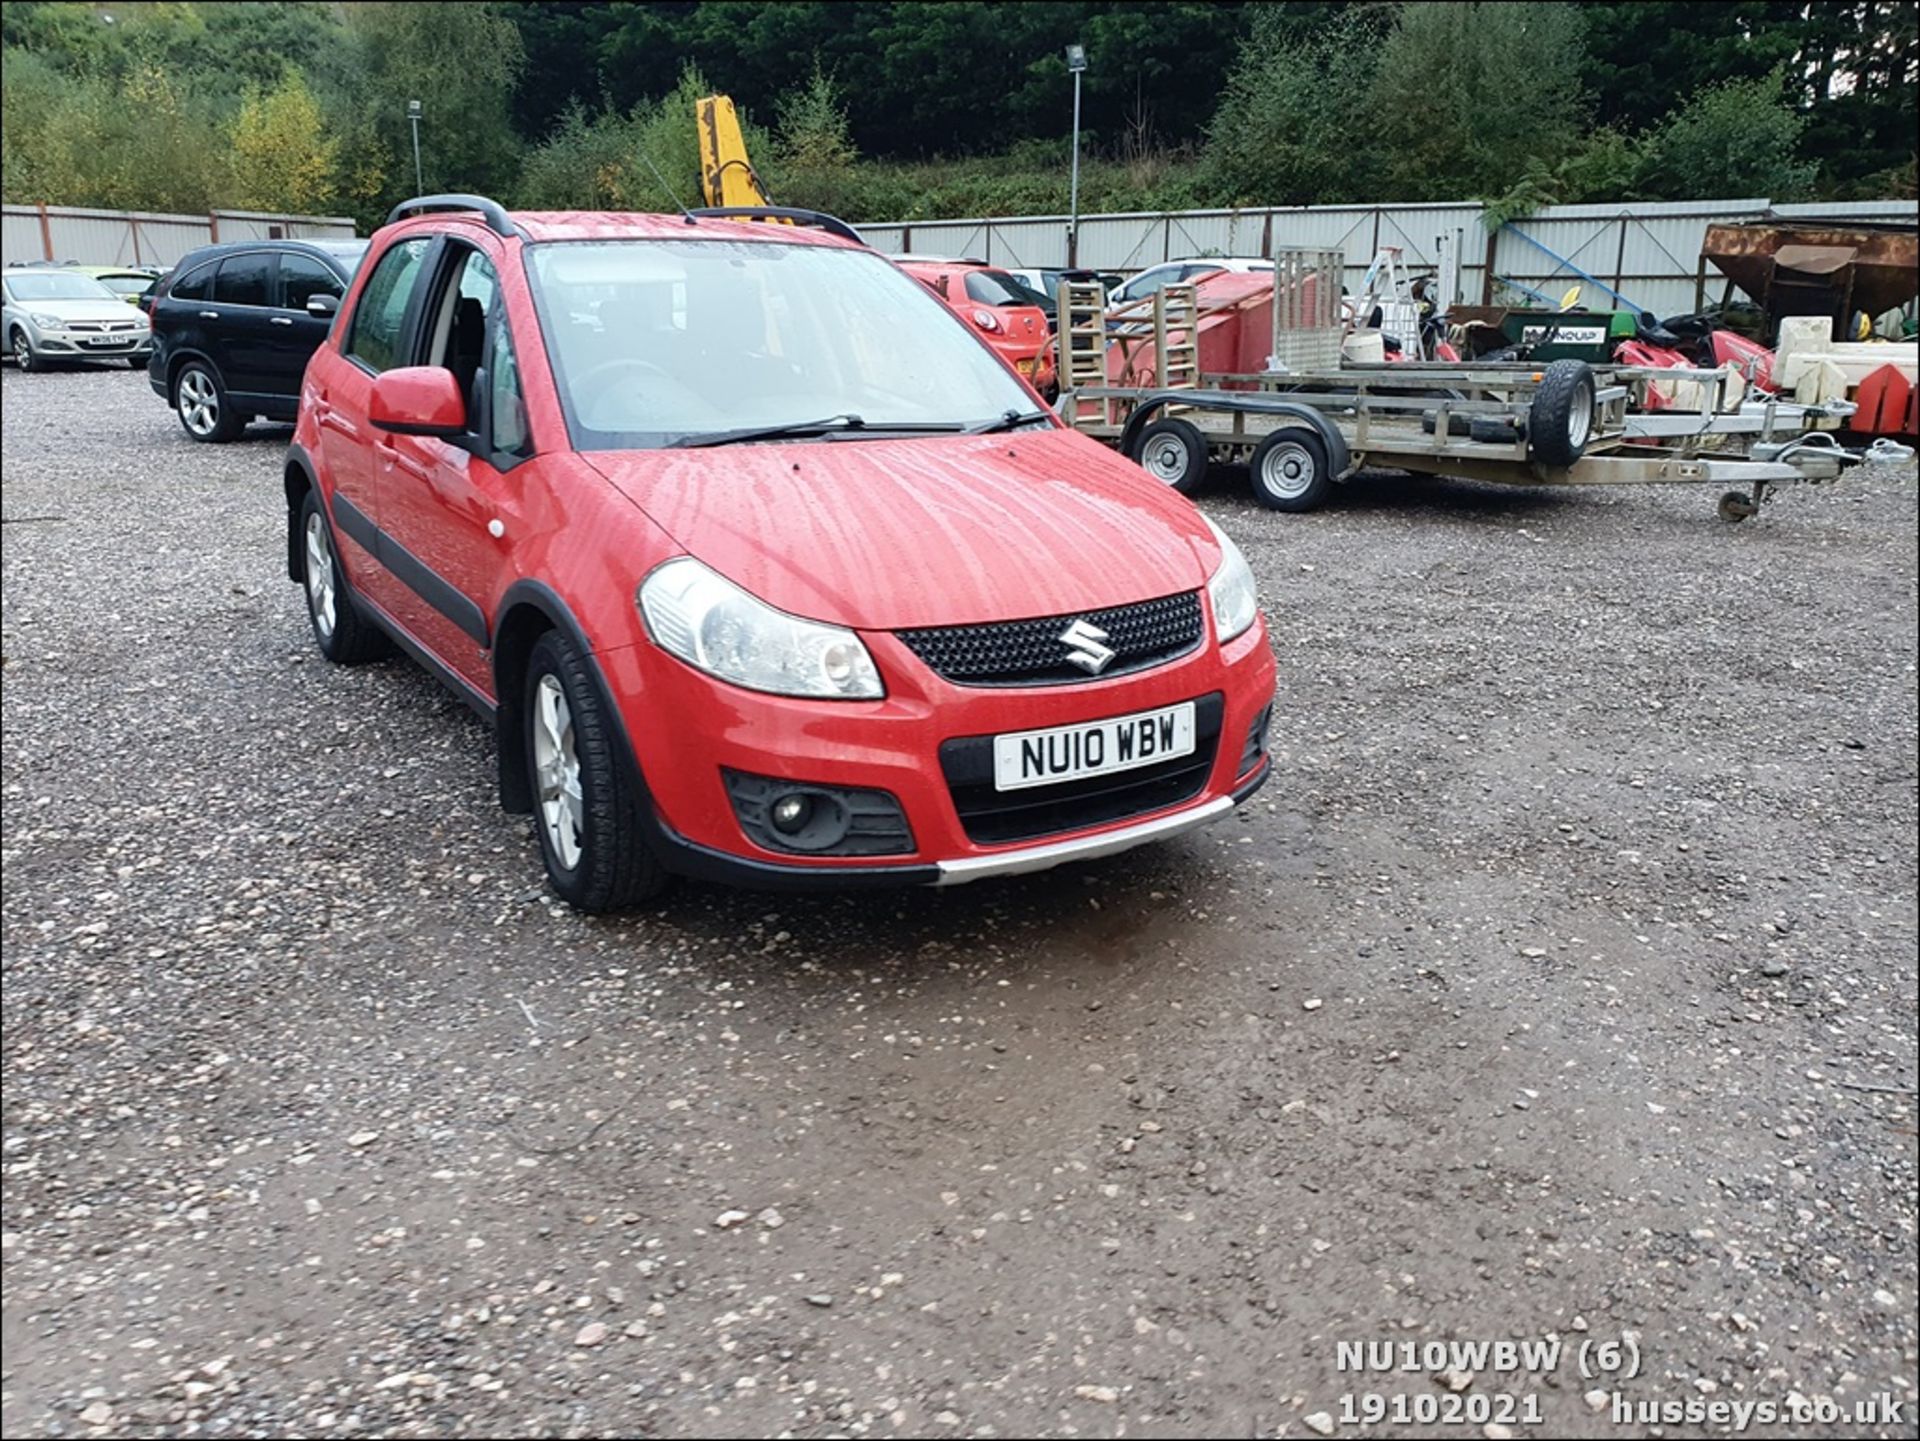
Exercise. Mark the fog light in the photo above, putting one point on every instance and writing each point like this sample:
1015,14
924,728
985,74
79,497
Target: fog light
806,818
790,813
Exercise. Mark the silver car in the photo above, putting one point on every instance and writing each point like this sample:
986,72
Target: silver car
55,315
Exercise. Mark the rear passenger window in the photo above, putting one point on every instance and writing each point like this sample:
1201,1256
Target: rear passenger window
196,284
375,339
245,280
302,277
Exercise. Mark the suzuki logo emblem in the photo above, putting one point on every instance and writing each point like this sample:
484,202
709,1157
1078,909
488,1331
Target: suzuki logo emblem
1083,641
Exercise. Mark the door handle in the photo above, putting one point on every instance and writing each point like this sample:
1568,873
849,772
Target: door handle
282,320
209,315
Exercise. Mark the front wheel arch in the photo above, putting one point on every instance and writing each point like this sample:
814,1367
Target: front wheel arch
515,634
298,481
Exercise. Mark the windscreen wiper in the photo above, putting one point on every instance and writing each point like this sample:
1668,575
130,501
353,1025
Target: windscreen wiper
791,430
1010,420
804,429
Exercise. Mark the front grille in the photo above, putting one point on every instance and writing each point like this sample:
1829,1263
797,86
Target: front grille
992,817
1030,652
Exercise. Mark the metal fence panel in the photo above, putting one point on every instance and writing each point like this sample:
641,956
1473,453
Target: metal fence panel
20,234
127,237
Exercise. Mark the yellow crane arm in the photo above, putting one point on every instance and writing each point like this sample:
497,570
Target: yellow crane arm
726,176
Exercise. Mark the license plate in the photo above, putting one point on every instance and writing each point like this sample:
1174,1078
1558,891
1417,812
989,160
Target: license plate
1025,367
1093,748
107,340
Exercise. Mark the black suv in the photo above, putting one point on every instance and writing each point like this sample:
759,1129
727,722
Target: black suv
234,326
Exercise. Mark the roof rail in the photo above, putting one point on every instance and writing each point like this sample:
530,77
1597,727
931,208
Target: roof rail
492,211
820,220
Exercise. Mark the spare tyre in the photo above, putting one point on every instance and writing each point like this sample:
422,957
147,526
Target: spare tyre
1560,420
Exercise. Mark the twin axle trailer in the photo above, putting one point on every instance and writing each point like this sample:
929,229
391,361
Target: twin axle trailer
1303,429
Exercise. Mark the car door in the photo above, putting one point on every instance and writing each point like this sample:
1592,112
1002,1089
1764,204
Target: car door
379,337
239,325
448,506
297,333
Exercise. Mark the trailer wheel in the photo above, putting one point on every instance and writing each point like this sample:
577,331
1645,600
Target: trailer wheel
1173,452
1560,420
1290,471
1736,506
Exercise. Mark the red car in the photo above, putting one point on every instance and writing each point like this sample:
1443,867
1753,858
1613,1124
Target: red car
1008,314
762,566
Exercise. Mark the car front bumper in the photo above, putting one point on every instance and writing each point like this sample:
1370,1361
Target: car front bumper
895,745
80,346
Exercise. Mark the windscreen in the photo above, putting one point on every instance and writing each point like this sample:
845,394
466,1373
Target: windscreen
126,284
654,341
55,286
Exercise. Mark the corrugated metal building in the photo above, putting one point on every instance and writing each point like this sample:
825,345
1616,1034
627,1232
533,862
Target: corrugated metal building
134,237
1645,253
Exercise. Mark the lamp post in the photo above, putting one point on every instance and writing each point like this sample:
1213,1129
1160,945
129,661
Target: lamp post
413,117
1076,63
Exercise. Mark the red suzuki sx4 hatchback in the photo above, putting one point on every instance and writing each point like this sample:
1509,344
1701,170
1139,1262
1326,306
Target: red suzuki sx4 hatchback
765,568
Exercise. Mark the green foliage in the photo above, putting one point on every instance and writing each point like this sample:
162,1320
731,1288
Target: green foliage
1294,125
608,161
461,61
132,142
812,130
906,109
282,157
1738,138
1466,96
1606,166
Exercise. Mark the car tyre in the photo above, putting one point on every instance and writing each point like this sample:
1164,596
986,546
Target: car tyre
1290,470
23,354
1174,453
344,635
200,400
586,809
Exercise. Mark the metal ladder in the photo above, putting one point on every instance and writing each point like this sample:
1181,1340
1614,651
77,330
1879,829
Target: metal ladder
1387,287
1176,308
1081,307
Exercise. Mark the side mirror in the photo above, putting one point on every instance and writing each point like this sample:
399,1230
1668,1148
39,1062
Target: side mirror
323,306
418,400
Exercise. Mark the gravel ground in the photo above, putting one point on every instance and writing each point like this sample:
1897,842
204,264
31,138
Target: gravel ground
1561,983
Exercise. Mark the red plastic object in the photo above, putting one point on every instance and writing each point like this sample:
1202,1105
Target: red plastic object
1886,401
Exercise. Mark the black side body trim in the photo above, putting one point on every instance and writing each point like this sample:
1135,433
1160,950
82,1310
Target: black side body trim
426,660
419,577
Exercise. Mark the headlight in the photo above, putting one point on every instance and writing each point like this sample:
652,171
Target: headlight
46,322
1231,589
712,624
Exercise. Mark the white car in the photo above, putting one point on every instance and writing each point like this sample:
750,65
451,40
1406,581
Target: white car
1172,272
57,315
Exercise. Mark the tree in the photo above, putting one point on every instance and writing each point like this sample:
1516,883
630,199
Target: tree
1736,139
1466,97
282,157
461,61
1293,126
812,126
